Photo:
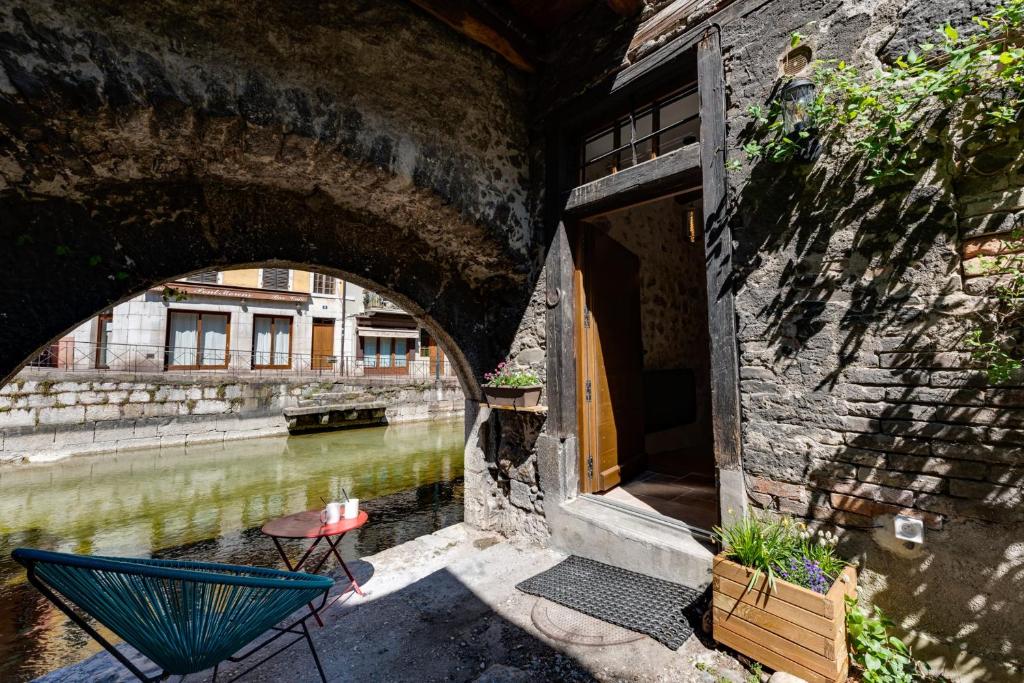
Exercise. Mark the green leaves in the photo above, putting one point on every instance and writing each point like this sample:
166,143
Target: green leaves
765,545
795,38
884,658
886,114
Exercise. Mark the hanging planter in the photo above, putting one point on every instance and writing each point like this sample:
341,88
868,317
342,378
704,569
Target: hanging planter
508,388
513,397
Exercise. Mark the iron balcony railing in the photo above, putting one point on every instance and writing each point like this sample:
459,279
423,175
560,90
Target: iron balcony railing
77,356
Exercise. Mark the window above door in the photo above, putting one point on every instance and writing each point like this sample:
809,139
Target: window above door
640,134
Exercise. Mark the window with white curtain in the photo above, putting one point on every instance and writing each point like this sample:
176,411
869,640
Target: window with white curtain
271,341
215,340
197,339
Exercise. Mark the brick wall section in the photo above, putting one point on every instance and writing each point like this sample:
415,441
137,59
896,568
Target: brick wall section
907,442
859,398
912,426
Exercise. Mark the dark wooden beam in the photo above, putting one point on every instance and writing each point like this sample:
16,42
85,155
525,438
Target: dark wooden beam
626,8
561,357
487,25
679,13
723,13
725,392
655,178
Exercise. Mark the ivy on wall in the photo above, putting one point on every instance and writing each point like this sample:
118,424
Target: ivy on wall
964,88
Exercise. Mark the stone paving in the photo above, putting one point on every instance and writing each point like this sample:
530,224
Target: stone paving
444,607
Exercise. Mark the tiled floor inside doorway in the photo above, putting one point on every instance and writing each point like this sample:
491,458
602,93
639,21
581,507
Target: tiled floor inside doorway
691,498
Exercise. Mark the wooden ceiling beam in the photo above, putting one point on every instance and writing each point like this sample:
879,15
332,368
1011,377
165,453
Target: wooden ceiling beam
626,8
487,25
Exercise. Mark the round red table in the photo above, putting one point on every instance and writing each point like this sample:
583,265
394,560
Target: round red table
308,525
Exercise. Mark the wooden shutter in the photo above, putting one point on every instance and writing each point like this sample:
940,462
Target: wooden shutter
208,277
275,278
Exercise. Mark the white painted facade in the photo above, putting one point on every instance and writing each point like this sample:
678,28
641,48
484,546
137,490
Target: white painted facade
138,335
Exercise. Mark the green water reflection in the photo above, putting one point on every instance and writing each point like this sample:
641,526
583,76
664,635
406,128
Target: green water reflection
208,503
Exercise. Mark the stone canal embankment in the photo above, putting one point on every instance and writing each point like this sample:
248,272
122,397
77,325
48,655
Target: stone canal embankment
47,416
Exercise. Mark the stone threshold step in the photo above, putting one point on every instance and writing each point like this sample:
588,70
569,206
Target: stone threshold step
637,540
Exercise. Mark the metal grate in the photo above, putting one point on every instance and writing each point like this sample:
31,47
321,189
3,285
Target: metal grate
796,60
663,610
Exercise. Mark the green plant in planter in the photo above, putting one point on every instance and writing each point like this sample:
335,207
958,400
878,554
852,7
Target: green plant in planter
779,548
506,376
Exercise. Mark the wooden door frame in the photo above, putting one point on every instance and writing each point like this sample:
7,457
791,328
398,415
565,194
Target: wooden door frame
625,188
587,483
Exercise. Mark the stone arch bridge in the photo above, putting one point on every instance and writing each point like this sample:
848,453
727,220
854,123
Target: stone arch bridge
142,144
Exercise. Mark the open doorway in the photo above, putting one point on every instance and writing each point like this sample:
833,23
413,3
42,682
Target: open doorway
643,361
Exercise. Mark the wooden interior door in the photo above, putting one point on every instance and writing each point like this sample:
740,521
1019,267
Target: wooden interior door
323,343
609,361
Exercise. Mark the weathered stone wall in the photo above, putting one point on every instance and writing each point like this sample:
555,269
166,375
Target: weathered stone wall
140,142
51,415
672,301
858,399
504,491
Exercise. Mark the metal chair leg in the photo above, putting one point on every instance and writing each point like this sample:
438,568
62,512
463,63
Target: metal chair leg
312,649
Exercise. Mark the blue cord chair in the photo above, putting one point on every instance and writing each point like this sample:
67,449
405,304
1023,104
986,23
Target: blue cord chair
184,616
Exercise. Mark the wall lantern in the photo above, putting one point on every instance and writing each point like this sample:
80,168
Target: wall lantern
797,96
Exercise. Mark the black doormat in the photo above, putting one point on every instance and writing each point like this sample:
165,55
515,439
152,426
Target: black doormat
661,609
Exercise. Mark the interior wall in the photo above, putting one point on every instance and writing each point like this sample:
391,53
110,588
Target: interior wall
674,330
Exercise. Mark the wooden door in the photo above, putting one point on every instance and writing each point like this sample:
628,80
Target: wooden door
609,361
323,344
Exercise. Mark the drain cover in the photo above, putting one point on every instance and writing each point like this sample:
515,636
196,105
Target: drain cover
569,626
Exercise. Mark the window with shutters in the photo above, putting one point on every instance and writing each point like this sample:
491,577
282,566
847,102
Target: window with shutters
323,284
275,278
642,134
208,277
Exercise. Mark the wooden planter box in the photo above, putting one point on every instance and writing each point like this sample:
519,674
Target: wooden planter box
513,397
793,629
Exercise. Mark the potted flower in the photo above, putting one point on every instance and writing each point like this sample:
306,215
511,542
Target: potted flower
779,596
512,388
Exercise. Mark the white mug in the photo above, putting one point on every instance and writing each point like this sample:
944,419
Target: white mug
331,514
351,508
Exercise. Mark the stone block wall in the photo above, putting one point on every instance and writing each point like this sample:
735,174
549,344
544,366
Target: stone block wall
52,415
503,490
860,400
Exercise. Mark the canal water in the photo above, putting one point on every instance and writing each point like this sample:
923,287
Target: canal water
208,503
